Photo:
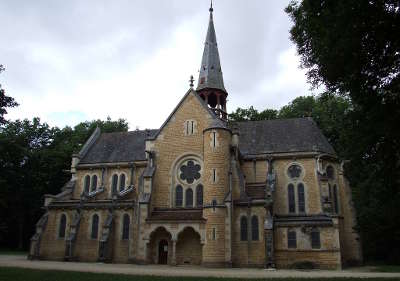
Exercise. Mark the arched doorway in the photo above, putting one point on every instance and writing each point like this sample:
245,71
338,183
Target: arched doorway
188,247
163,252
160,247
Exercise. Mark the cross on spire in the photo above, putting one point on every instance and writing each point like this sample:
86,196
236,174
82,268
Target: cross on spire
191,81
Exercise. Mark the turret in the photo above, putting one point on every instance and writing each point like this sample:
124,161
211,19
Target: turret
217,141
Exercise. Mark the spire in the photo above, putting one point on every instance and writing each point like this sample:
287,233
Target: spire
210,69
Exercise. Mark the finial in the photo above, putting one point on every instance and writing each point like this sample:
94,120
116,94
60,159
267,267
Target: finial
211,8
191,81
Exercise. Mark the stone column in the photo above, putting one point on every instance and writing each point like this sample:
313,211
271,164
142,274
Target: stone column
173,261
269,242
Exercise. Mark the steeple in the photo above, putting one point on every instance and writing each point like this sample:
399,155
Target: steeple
211,83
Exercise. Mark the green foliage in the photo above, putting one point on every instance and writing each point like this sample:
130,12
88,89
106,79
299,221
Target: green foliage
251,114
353,47
5,101
34,160
24,274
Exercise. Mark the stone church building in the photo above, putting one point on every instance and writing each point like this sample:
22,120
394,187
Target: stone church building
201,190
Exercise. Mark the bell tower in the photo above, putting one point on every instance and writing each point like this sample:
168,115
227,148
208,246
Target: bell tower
211,83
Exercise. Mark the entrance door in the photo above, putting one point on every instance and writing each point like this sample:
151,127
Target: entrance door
163,252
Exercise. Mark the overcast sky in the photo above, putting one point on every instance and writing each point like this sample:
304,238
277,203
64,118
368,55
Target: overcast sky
71,61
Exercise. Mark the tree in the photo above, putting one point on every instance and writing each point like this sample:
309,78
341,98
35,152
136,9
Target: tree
252,114
353,47
33,161
5,101
23,175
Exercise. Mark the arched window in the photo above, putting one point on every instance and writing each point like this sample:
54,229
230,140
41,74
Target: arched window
125,227
254,228
315,239
292,241
243,229
335,199
121,182
199,195
62,226
291,198
178,196
189,197
330,172
94,183
86,184
212,100
300,198
114,183
95,226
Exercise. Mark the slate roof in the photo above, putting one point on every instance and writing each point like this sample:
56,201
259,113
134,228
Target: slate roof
282,136
210,70
182,214
256,137
118,147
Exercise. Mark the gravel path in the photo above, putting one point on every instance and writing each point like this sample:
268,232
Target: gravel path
131,269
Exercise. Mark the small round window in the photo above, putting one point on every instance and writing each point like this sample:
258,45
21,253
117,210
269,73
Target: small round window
330,172
189,171
294,171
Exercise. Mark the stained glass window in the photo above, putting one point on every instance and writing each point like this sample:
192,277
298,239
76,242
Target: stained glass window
63,225
199,195
178,196
125,227
243,229
294,171
291,198
189,197
292,241
95,226
190,172
254,228
121,182
301,199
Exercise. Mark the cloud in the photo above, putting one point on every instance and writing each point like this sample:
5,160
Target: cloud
69,61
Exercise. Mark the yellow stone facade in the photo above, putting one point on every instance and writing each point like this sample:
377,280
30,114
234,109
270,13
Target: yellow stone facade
198,192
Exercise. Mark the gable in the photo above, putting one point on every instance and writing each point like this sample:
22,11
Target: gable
197,104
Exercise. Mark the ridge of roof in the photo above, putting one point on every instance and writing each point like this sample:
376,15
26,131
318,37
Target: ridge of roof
202,102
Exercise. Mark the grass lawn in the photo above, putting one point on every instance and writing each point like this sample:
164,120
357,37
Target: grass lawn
12,252
387,268
22,274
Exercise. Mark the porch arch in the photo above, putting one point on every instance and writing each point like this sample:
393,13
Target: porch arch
188,247
160,244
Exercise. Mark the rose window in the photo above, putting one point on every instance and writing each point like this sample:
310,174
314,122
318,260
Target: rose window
190,171
294,171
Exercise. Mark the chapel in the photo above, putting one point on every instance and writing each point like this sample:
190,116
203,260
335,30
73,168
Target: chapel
202,190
